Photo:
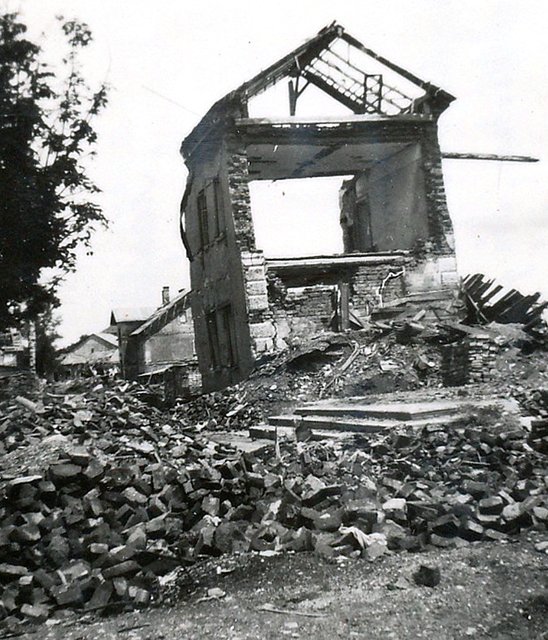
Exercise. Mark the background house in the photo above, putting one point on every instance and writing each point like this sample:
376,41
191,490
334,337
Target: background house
97,353
123,321
14,351
152,341
165,339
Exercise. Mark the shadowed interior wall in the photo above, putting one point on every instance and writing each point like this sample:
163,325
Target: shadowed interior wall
384,208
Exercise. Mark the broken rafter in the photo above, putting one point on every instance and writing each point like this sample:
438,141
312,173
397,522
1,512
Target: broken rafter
342,59
388,87
347,98
512,307
427,86
452,155
336,67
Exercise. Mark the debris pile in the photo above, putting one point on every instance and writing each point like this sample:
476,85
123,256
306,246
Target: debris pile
97,527
384,359
390,357
233,408
488,302
88,411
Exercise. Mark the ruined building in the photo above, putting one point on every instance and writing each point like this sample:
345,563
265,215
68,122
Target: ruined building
153,340
396,230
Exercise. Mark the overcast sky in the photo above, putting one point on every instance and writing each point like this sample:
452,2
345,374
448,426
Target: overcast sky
167,62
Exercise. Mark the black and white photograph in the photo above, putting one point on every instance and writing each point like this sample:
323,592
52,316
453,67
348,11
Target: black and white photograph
273,320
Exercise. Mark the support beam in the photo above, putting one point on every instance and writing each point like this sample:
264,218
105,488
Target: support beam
450,155
295,93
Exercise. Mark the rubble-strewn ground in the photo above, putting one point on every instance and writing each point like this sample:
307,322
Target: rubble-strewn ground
404,362
110,501
495,591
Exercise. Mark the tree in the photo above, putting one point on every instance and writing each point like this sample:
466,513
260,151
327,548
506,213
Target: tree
45,135
47,357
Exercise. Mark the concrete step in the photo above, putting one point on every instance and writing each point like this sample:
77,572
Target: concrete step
405,411
330,418
331,422
264,432
357,425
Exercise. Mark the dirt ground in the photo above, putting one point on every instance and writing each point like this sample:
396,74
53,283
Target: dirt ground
487,590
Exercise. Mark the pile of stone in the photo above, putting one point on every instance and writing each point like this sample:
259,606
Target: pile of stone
230,409
92,532
534,401
98,527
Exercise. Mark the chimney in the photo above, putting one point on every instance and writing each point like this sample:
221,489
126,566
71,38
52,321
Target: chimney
165,295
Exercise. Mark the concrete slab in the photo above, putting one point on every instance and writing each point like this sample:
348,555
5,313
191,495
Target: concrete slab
268,433
357,425
403,411
242,442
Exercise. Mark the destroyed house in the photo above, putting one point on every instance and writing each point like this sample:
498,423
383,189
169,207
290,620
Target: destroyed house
381,147
163,339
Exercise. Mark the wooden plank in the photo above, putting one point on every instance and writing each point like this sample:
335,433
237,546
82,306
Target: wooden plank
504,303
495,157
331,91
491,293
344,311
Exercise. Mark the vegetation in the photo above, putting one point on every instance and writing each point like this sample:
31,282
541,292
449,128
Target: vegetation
46,133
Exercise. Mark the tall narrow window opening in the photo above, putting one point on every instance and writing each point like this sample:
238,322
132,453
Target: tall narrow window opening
202,218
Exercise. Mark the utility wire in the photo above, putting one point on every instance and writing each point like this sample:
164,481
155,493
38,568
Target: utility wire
170,100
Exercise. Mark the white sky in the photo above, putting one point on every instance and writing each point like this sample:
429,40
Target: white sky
490,54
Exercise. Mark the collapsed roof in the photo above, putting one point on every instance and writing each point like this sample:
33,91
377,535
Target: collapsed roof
164,315
342,67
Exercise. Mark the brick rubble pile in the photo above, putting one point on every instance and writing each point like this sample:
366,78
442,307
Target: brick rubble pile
133,493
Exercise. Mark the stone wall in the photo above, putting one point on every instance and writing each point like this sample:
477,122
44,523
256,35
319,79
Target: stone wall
238,189
261,328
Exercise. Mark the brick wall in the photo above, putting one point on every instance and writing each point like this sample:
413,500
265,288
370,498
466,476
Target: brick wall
302,312
372,284
472,360
440,226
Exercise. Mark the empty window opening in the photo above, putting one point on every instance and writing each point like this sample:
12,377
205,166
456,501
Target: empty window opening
218,216
297,217
384,208
201,205
220,334
225,325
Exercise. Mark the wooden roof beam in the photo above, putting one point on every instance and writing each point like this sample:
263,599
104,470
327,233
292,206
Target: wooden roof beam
427,86
452,155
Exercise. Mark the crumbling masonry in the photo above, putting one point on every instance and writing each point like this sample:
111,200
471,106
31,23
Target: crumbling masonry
397,233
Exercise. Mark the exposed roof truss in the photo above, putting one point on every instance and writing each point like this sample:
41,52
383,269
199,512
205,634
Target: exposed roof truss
334,71
343,68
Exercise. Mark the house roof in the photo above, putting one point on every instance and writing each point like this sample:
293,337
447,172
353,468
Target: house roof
130,314
164,315
12,341
110,357
322,62
107,339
